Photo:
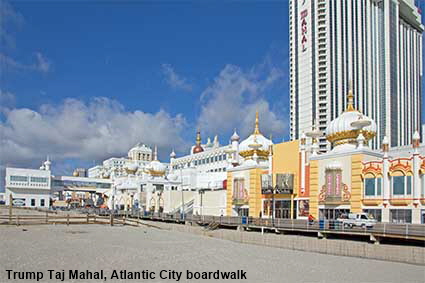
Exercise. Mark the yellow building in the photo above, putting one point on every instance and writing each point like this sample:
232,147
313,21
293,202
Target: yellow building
352,178
250,160
293,180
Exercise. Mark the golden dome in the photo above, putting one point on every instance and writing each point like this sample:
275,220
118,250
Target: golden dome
256,142
340,130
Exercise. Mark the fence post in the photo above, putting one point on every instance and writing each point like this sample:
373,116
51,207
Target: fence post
94,219
10,208
111,219
407,230
384,228
47,217
87,219
67,219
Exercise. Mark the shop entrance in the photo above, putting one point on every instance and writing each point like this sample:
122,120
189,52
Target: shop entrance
332,213
243,211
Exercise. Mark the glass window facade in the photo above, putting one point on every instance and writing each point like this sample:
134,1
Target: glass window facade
39,179
398,185
372,187
375,213
15,178
401,215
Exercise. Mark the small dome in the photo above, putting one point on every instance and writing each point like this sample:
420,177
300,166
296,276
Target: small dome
197,149
156,168
173,154
132,168
172,177
235,136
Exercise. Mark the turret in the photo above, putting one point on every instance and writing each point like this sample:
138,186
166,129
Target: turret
47,164
198,148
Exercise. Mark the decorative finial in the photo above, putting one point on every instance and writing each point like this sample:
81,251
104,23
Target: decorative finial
257,128
385,144
416,139
350,105
198,137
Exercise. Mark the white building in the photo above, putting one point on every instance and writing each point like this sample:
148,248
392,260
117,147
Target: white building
204,167
28,187
375,44
140,155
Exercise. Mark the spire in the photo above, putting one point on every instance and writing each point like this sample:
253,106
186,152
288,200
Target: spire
257,128
350,105
198,137
155,155
173,154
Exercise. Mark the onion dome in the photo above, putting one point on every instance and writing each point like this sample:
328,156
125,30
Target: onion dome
155,167
131,168
209,143
235,136
256,139
340,131
198,148
172,177
173,154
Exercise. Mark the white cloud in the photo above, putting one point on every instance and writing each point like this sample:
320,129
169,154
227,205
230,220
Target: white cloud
175,80
85,131
10,21
41,64
7,99
234,96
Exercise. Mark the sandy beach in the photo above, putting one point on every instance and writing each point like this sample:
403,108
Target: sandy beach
137,249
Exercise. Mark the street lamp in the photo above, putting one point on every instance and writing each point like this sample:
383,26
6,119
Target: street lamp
273,191
201,192
181,184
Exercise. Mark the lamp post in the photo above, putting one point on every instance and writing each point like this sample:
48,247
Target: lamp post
360,124
201,192
314,134
181,184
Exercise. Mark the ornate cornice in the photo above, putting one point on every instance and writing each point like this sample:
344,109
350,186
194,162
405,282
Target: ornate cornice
349,136
398,165
250,153
369,168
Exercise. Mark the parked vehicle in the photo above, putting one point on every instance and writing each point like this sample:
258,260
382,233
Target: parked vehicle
358,219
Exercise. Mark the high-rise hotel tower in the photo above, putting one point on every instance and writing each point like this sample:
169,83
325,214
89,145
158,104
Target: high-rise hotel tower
376,44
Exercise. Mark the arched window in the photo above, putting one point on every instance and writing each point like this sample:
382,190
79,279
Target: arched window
372,186
401,185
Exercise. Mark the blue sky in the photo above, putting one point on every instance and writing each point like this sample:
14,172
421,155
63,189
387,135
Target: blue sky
164,67
84,81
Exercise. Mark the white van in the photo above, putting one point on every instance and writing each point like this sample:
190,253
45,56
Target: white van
358,219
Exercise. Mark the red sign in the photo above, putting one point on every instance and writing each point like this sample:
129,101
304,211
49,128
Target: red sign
304,14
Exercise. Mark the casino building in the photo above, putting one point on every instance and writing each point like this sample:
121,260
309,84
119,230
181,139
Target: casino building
294,180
